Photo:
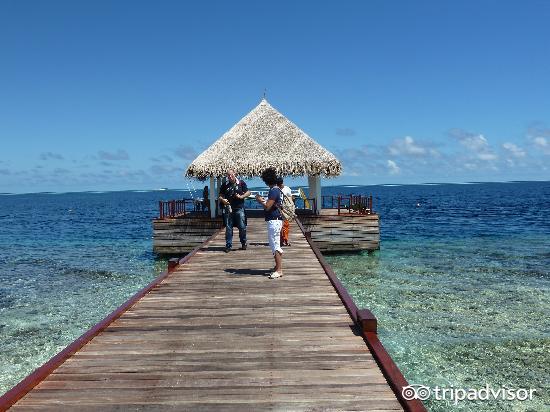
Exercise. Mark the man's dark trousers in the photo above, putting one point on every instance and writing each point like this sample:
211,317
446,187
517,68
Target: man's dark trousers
235,218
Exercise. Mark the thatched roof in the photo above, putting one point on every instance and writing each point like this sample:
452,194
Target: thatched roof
265,138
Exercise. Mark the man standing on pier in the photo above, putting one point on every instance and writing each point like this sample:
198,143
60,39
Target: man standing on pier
232,195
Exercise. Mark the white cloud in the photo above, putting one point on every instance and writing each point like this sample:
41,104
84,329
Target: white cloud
471,141
393,169
408,147
476,144
362,160
539,138
540,141
514,150
488,156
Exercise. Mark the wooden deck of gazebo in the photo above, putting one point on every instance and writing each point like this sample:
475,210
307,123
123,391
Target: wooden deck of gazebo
344,224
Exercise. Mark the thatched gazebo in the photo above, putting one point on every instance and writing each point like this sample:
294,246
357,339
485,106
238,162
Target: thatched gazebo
261,139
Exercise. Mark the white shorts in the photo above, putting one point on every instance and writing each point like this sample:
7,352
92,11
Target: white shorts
274,235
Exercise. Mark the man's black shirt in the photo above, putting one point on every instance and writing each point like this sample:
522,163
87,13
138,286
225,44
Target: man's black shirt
228,190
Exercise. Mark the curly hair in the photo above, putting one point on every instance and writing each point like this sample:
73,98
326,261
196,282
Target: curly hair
269,176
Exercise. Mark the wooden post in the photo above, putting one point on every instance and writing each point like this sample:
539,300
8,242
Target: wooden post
161,210
172,263
212,198
367,321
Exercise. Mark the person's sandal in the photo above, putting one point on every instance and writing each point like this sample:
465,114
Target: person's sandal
275,275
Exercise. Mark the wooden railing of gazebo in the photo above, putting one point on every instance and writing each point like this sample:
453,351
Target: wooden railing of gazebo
344,204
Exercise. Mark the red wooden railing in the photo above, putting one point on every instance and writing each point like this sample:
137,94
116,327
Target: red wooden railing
345,204
350,204
182,207
367,324
177,208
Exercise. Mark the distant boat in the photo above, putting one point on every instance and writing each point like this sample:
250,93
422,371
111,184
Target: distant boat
163,188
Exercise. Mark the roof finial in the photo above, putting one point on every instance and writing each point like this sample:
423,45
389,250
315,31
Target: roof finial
265,91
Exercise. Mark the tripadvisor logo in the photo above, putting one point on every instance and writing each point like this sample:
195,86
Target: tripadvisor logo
488,393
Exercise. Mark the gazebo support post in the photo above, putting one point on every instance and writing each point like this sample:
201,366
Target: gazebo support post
212,198
218,187
314,183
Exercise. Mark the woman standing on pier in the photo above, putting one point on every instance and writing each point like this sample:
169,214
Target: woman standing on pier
287,192
273,218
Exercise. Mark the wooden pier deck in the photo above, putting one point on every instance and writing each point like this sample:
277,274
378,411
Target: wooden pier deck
217,334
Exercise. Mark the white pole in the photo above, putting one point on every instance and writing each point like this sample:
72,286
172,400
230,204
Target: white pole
218,187
314,183
212,197
318,198
311,186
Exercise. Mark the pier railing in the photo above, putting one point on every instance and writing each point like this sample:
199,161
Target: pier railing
349,204
177,208
183,207
345,204
367,324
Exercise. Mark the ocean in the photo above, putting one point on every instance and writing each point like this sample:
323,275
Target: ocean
460,285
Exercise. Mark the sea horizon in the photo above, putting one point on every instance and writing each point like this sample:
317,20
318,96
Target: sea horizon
182,189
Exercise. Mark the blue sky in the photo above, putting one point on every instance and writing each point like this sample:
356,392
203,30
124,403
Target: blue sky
120,95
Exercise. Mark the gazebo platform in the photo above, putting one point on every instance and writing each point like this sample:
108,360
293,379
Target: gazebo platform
330,230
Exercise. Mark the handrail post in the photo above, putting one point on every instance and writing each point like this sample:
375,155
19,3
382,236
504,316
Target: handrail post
367,321
172,263
161,210
370,204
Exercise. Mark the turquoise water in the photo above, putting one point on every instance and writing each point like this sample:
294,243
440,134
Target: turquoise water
67,261
460,285
462,292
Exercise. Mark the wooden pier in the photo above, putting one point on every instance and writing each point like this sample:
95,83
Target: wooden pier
214,333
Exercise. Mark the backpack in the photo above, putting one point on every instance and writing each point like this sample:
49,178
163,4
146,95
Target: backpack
288,209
